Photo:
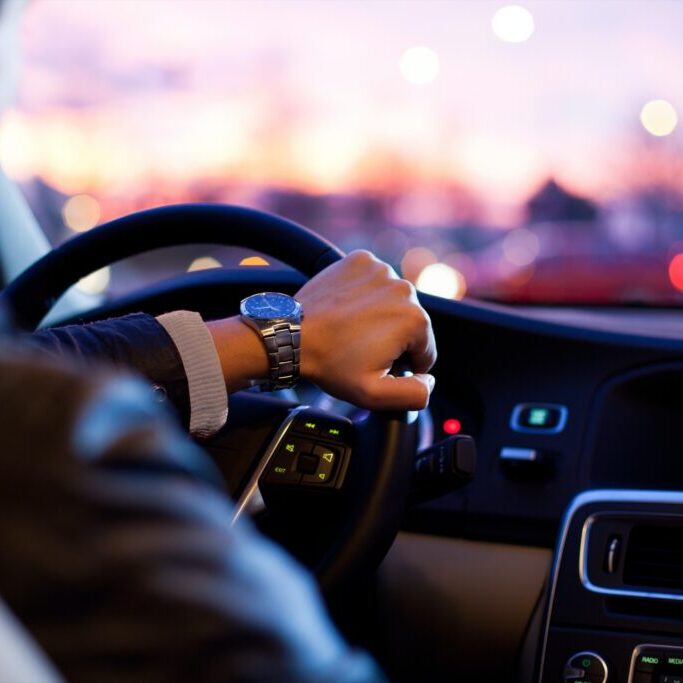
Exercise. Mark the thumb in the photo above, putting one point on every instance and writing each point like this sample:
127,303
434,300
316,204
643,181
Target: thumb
410,392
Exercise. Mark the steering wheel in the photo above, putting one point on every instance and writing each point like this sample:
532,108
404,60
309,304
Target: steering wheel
342,524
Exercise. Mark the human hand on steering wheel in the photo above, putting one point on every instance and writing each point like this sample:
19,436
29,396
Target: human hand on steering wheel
359,317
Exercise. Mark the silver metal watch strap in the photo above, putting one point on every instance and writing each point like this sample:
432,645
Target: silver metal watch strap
283,344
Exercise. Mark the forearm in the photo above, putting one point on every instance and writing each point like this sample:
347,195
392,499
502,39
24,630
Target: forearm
241,352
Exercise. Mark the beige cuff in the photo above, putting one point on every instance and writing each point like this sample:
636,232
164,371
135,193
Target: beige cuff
208,395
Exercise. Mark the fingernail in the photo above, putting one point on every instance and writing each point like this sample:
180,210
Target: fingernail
431,380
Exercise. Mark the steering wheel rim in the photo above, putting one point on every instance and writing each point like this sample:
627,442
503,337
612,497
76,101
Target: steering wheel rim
385,470
33,293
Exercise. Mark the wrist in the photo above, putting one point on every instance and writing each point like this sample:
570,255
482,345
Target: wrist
241,352
309,361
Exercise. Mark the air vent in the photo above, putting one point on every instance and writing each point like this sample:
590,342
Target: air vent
654,556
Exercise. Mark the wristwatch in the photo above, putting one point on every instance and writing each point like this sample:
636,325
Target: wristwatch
277,319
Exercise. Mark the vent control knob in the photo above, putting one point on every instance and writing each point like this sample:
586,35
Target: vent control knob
612,553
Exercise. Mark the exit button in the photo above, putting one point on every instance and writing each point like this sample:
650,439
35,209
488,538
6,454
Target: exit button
539,418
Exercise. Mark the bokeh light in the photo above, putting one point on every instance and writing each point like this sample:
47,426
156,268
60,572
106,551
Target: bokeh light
676,272
659,118
18,153
442,280
419,65
95,283
80,213
204,263
414,262
513,24
521,247
463,264
254,261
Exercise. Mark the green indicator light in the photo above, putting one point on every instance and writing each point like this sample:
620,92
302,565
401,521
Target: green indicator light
290,447
678,661
328,457
322,476
280,470
309,425
649,659
585,663
334,431
538,416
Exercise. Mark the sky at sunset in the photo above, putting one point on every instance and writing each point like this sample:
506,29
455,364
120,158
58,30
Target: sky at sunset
122,94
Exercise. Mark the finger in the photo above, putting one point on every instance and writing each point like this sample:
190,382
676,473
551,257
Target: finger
422,345
399,393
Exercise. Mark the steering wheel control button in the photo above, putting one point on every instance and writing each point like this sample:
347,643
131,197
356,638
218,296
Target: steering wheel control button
307,464
539,418
284,466
283,473
334,431
327,459
586,667
307,425
322,425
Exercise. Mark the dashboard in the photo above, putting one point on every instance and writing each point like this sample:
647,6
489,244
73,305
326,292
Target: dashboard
612,382
577,418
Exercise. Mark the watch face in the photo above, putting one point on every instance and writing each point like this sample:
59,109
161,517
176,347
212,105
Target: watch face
269,305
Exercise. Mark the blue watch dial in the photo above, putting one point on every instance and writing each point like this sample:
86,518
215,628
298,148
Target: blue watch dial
269,305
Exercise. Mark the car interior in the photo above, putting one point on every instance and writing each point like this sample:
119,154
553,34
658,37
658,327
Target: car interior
526,525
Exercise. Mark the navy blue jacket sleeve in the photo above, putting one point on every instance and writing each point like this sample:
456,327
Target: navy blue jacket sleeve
134,342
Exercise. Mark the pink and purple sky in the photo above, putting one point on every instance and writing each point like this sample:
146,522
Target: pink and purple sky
119,95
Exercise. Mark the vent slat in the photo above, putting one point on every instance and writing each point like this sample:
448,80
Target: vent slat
654,557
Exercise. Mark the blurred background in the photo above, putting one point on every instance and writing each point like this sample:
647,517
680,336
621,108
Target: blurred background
525,154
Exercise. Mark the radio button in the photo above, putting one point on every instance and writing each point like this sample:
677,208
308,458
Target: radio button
647,660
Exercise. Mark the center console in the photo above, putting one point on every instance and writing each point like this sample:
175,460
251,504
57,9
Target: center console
615,606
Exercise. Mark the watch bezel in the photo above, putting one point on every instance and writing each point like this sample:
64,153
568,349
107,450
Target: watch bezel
293,316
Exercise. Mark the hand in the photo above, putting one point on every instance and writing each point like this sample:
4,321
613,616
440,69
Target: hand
360,317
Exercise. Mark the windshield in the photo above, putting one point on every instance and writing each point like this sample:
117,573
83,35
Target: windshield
516,153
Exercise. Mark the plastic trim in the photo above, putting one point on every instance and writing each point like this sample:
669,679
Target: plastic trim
251,500
602,590
645,646
586,498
